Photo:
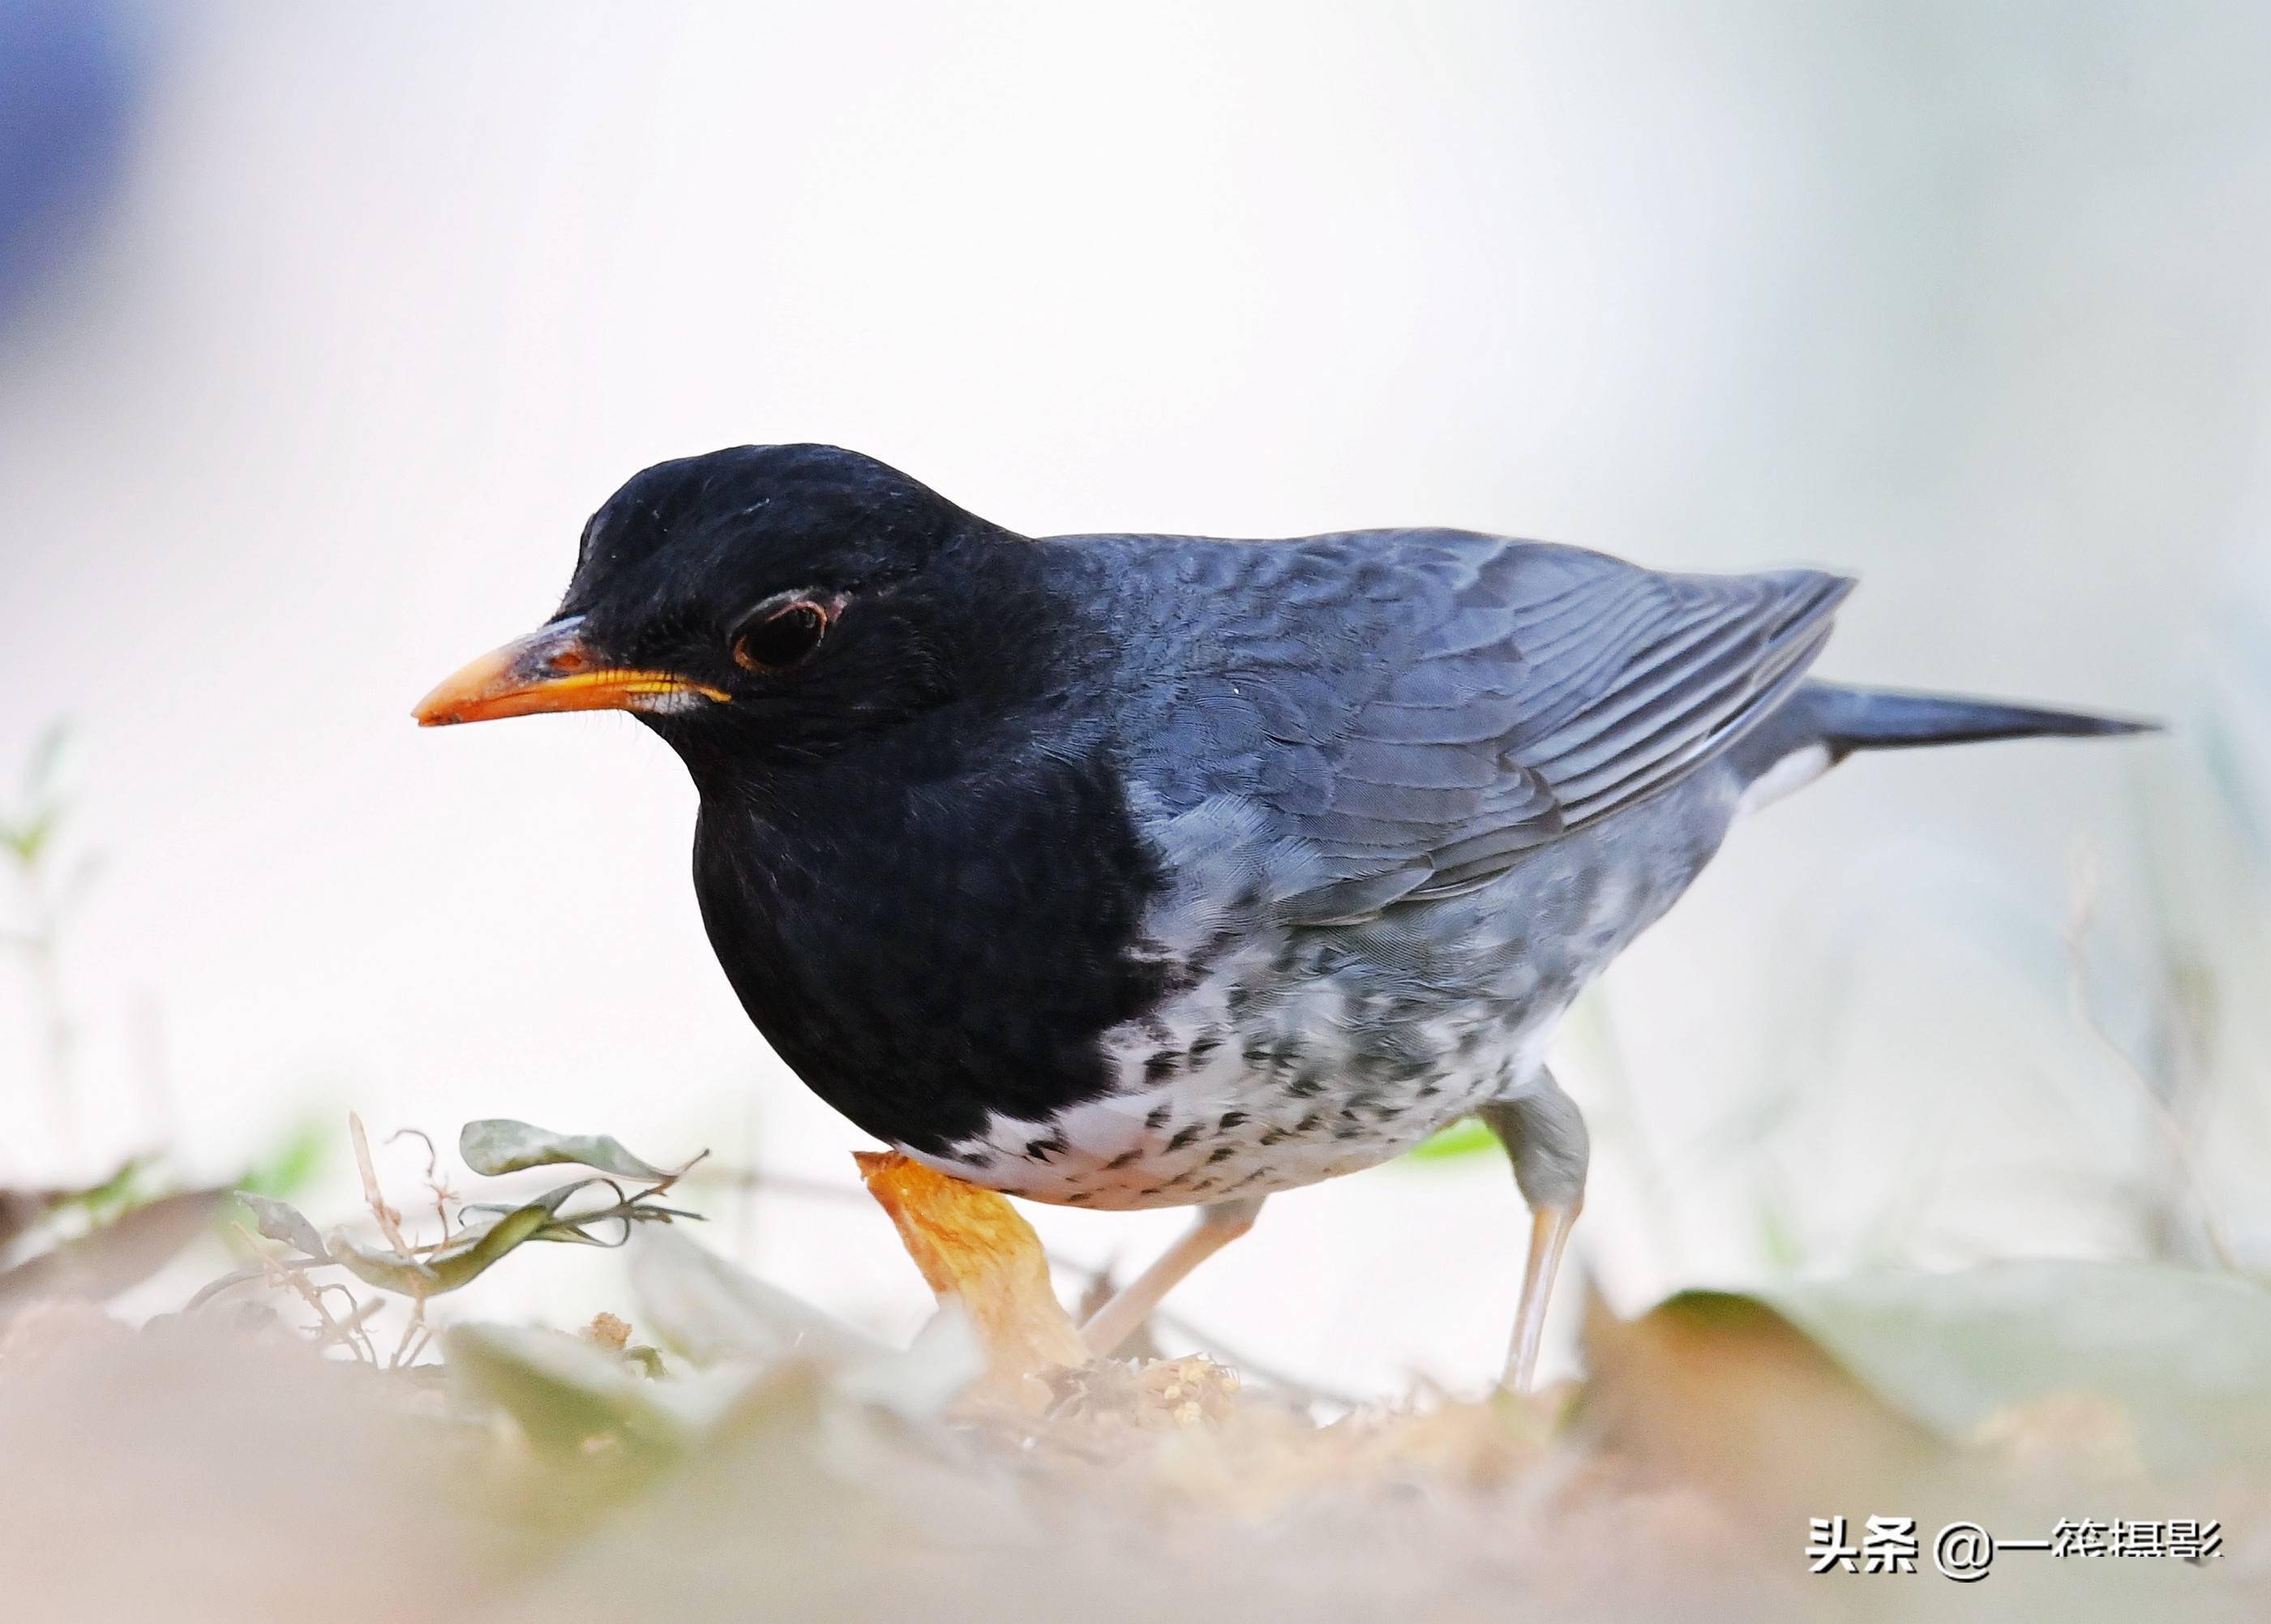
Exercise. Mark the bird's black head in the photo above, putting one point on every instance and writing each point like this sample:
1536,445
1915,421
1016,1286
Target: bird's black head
768,602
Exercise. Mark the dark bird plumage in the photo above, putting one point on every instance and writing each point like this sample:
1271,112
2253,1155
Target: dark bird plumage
1130,870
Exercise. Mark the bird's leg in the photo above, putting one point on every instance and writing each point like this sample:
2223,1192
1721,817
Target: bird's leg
1549,1230
1218,1224
1546,1138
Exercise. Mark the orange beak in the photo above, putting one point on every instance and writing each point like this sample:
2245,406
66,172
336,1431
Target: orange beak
552,669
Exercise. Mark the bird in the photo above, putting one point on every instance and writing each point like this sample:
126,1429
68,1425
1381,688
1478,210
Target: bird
1122,871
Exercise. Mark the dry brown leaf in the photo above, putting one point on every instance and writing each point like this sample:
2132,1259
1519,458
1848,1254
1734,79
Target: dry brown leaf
975,1250
1722,1394
58,1328
114,1257
1160,1395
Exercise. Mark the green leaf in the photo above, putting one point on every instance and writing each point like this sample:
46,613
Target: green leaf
279,1220
945,1358
498,1144
710,1311
457,1264
1465,1137
28,840
561,1392
100,1203
292,1165
498,1229
574,1228
2186,1355
719,1314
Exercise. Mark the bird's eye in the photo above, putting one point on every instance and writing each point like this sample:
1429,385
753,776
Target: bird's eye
782,638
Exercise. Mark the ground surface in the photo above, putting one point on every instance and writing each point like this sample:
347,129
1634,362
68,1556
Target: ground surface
775,1465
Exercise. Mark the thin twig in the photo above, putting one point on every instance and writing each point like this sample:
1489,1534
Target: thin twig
356,1319
433,1157
214,1288
436,1184
390,1221
292,1281
414,1324
425,1340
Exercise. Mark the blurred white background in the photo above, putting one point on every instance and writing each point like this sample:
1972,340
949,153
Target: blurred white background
360,311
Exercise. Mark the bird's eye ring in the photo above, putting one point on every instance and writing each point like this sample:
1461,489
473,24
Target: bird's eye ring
782,638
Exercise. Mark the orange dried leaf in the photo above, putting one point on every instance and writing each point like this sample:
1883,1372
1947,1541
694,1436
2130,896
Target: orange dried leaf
975,1250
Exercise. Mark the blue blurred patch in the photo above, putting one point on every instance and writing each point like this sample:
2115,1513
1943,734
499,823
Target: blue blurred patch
69,81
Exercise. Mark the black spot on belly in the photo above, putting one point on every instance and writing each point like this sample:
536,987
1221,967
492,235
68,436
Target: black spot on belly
1162,1066
1157,1117
1184,1137
1208,1043
1230,1120
1310,1123
1222,1153
1041,1150
1125,1159
1306,1086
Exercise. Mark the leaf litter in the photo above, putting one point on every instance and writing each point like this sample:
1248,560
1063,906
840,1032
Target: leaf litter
724,1450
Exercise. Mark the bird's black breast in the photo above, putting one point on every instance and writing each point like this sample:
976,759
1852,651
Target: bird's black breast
925,949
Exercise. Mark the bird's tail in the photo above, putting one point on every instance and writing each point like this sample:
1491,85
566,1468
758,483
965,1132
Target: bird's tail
1864,719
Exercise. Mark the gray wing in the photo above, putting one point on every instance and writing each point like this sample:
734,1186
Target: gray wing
1430,705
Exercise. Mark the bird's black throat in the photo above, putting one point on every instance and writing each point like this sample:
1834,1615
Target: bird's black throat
933,924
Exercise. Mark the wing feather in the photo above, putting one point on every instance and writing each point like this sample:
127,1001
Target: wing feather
1417,710
1534,689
